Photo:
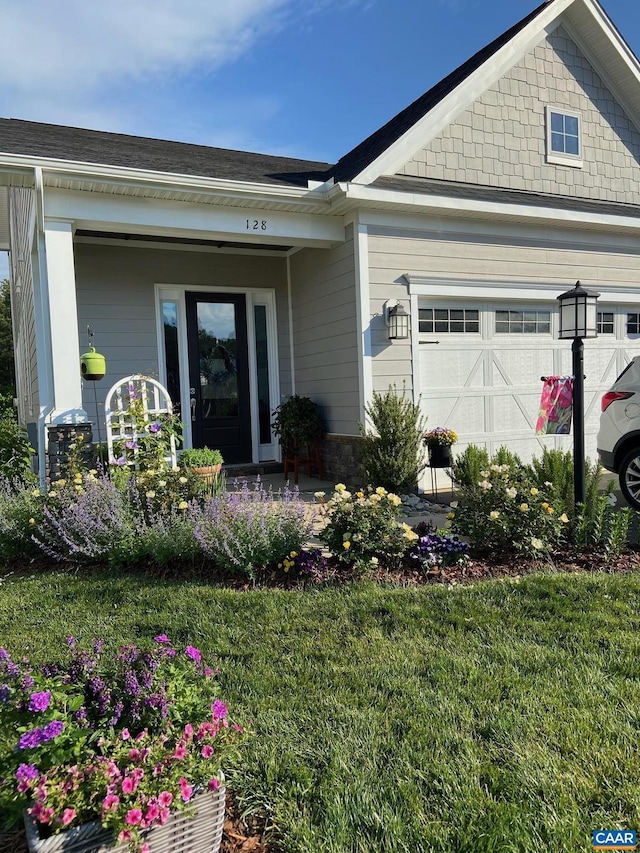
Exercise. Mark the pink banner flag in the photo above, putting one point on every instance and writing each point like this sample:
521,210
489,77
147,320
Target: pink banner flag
556,406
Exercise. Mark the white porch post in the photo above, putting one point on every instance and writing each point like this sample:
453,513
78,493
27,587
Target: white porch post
60,284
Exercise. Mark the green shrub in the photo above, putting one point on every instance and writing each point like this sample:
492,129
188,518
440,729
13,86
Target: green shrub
16,452
364,528
393,456
21,509
199,457
466,467
503,513
599,524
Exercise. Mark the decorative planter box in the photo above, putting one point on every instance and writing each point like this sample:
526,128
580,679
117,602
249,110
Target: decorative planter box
201,833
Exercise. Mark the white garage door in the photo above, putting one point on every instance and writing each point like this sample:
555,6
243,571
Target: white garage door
480,369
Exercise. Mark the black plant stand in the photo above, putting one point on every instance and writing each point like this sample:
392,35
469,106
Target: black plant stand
439,457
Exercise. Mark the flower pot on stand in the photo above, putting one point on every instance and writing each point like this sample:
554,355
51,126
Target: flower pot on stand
439,456
201,833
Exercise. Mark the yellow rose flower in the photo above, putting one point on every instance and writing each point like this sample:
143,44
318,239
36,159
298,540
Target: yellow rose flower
537,544
32,521
494,514
183,505
380,491
563,518
340,487
182,480
451,515
151,493
346,545
534,491
524,507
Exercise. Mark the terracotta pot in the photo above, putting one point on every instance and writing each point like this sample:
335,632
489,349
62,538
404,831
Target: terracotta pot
210,473
201,833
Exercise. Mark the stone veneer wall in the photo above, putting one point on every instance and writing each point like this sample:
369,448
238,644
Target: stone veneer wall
60,438
341,457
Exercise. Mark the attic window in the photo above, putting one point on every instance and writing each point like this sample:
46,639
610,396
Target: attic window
564,146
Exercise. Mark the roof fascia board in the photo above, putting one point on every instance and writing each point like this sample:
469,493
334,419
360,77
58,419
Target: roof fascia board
627,59
150,179
437,119
422,203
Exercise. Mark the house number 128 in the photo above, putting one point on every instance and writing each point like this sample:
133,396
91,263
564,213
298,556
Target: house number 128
256,224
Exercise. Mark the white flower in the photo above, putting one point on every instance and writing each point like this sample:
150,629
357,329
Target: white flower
484,474
151,493
319,495
454,504
537,543
511,492
494,514
485,485
340,487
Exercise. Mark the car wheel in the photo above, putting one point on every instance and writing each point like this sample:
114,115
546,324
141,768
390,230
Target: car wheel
630,478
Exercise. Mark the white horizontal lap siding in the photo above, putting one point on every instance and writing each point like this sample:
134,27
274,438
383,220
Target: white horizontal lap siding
324,318
487,386
22,213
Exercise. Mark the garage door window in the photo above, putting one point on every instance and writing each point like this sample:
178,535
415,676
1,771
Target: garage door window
633,324
605,322
523,322
449,320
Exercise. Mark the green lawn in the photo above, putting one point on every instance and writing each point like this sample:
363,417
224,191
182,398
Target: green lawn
498,717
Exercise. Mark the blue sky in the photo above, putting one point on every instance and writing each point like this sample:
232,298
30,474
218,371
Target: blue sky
307,78
301,78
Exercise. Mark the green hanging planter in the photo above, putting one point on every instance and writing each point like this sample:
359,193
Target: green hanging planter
93,365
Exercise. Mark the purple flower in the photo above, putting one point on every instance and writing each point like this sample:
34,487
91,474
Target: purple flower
4,692
219,710
162,638
154,427
122,460
27,682
131,444
52,730
71,642
39,701
27,772
193,653
31,739
4,655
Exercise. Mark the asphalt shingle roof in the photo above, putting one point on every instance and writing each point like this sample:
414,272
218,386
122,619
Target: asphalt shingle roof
35,139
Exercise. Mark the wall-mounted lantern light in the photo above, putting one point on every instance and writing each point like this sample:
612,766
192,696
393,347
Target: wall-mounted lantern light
397,320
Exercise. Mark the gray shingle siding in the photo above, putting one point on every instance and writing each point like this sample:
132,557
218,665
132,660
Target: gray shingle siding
500,140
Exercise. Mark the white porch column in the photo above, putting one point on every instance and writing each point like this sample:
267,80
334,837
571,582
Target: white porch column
66,388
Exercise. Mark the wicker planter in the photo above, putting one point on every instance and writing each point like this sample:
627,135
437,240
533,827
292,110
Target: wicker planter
180,834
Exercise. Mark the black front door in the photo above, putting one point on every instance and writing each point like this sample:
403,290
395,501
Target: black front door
219,374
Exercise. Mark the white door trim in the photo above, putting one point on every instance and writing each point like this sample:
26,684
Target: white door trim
254,296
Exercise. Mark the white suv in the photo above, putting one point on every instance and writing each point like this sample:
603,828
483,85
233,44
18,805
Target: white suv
619,434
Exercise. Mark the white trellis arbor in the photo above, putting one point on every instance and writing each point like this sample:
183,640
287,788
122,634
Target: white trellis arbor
134,410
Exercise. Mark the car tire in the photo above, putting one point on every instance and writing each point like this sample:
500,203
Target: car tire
629,475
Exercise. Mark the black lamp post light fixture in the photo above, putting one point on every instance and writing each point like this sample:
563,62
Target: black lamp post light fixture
397,320
578,320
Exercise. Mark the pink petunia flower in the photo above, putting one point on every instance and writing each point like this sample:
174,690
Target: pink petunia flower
188,731
111,801
67,816
124,835
164,816
165,799
153,811
214,784
180,752
125,734
133,817
207,751
129,785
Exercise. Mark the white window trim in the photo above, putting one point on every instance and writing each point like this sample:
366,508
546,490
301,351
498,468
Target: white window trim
257,296
557,157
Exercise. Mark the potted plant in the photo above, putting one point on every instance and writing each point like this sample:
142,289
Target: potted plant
439,441
100,751
298,424
203,461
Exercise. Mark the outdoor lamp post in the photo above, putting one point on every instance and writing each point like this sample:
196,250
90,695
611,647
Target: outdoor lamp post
578,320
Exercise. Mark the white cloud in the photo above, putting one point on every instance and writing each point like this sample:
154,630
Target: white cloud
83,44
